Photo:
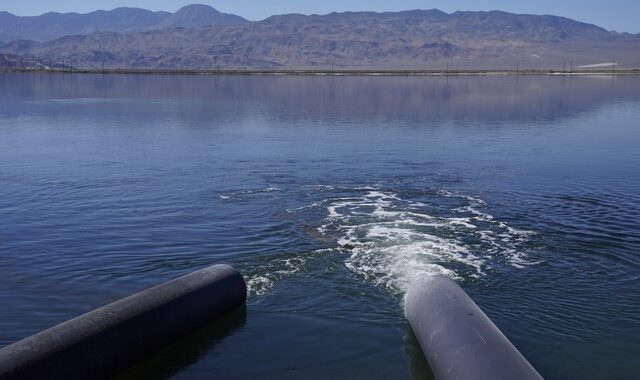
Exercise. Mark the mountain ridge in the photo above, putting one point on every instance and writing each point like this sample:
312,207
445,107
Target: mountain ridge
414,39
198,15
52,25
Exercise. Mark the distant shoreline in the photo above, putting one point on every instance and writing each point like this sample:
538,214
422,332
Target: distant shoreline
321,72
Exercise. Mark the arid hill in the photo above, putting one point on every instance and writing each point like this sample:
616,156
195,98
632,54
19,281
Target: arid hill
417,39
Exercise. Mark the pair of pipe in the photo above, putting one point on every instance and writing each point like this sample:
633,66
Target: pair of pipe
458,339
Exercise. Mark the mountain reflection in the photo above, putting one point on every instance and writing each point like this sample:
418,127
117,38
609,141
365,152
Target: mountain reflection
197,98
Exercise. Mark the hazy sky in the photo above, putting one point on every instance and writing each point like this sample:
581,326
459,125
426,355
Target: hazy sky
620,15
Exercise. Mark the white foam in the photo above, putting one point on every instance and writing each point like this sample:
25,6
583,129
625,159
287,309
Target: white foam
262,283
269,189
324,187
390,241
313,205
259,285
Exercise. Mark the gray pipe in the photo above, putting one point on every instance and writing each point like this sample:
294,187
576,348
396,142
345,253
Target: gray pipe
458,339
104,341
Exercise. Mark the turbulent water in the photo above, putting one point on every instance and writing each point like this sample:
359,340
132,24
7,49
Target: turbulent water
390,241
330,195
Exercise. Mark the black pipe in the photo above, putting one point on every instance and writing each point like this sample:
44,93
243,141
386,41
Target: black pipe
107,340
458,339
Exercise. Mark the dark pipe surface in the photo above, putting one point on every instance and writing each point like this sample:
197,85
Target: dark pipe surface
458,339
109,339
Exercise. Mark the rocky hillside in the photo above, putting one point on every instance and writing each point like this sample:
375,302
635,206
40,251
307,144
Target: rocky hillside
413,39
9,61
53,25
195,16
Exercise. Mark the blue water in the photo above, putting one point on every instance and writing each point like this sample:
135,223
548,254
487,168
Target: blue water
330,195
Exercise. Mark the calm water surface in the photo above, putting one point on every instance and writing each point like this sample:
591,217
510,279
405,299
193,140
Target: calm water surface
330,195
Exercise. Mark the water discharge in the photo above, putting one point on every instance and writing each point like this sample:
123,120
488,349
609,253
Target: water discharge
391,240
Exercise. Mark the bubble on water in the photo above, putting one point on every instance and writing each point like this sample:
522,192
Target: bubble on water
390,241
276,270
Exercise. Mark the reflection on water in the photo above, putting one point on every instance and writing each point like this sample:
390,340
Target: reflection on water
419,367
330,195
197,98
188,350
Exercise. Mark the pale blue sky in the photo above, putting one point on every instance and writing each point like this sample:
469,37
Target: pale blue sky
620,15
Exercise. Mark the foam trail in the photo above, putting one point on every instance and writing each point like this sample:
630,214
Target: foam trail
390,241
259,284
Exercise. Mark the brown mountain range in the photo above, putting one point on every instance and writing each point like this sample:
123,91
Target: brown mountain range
402,40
